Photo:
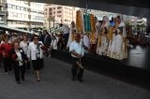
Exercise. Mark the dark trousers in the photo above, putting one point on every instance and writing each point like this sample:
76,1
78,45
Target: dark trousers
28,65
7,64
66,36
19,70
76,70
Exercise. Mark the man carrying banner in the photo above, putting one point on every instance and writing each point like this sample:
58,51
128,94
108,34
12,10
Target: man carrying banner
77,53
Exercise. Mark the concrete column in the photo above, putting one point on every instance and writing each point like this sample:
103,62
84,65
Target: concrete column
148,26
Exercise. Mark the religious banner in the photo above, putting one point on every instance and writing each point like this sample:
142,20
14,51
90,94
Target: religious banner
93,34
79,22
87,23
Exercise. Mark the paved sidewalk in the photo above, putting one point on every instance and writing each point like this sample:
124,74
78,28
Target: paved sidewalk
56,84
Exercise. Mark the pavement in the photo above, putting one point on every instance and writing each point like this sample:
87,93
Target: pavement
56,83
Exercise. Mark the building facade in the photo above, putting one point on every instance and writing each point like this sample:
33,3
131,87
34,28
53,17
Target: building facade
2,12
56,14
22,14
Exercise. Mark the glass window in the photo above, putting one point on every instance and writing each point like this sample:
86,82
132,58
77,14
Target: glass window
50,9
22,8
19,15
13,6
15,14
50,13
9,13
59,7
18,8
9,6
58,15
58,11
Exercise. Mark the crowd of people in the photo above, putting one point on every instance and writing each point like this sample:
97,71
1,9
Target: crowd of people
109,38
18,52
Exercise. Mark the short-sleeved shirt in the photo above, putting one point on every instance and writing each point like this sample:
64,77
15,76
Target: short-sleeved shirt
77,47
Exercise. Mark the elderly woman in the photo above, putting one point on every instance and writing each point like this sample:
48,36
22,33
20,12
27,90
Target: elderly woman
35,53
18,58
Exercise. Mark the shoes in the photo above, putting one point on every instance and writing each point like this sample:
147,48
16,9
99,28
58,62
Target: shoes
73,79
23,79
79,79
18,82
38,80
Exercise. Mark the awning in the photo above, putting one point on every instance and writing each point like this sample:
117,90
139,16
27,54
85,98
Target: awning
7,28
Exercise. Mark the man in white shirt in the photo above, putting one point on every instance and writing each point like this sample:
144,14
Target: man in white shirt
77,52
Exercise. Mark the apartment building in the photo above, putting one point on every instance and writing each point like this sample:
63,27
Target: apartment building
22,14
2,12
55,14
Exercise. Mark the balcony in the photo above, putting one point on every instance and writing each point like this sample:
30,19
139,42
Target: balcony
2,13
2,22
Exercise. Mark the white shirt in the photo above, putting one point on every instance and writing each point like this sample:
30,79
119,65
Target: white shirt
77,47
122,24
54,44
32,51
24,46
86,41
65,29
116,43
2,42
19,57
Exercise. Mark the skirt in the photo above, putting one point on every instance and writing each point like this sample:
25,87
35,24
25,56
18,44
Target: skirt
37,64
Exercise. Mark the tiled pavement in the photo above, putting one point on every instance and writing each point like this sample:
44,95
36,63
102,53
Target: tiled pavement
56,84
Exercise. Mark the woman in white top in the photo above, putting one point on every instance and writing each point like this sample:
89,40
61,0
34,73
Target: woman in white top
35,53
24,45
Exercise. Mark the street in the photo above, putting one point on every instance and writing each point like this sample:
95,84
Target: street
56,83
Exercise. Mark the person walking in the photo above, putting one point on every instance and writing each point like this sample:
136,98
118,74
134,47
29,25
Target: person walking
35,53
24,45
5,49
18,59
47,42
77,52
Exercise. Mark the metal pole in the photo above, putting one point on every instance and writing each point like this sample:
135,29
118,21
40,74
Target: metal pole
29,16
49,24
5,11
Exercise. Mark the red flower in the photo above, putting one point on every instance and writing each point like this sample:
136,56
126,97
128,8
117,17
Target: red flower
14,56
43,47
